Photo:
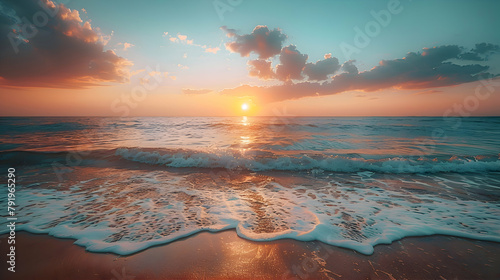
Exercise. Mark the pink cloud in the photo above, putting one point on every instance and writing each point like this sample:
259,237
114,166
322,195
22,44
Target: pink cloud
65,53
212,50
127,46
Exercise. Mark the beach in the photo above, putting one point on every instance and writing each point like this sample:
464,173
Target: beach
232,198
224,255
228,139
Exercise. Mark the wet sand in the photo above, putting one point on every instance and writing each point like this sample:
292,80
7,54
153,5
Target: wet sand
224,255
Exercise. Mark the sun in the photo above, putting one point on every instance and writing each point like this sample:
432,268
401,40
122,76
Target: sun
244,106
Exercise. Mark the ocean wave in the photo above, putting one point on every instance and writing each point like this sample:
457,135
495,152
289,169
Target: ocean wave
102,218
304,162
257,160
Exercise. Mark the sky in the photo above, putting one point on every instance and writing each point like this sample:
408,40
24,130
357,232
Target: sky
286,58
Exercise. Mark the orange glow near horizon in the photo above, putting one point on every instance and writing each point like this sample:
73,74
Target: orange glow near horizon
119,101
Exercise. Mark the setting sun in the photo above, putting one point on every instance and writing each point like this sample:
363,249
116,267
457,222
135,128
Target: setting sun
228,128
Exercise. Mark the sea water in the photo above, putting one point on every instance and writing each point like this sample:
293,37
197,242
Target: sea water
122,185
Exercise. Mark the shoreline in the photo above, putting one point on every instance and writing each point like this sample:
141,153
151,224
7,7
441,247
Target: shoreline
224,255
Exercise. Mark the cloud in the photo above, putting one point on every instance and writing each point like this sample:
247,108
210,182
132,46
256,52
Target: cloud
471,56
267,44
262,41
428,69
262,69
212,50
276,93
195,91
63,53
183,39
349,67
182,66
321,69
127,46
156,73
133,73
292,62
146,78
481,52
485,48
229,32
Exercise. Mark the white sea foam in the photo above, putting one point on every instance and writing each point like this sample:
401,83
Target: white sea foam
359,212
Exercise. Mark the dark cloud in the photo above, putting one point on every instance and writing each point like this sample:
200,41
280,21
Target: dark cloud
481,52
484,48
428,69
421,70
195,91
471,56
58,50
321,69
262,69
262,41
349,67
292,62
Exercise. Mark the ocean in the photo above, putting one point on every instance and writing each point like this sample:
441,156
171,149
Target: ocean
122,185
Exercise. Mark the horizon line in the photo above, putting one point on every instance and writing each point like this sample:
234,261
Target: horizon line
259,116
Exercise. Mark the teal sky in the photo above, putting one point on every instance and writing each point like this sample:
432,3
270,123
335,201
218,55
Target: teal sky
315,28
